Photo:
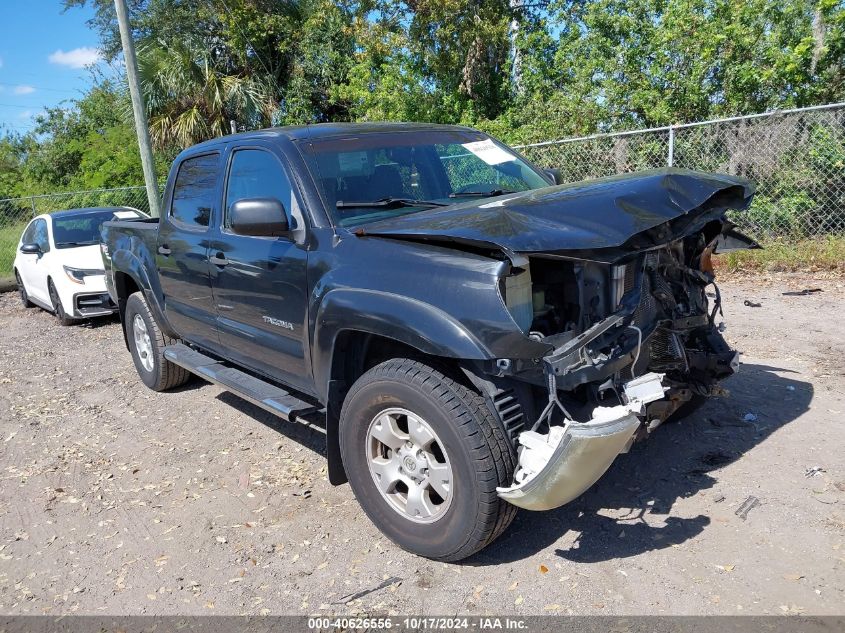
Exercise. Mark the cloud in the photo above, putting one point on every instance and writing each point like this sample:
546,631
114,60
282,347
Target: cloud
23,90
76,58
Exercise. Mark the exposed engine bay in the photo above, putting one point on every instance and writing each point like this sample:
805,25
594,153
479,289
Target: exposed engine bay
634,340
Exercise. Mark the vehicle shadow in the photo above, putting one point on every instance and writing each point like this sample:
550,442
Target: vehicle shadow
97,322
679,460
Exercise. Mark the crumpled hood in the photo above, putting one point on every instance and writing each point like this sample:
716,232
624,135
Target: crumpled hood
597,214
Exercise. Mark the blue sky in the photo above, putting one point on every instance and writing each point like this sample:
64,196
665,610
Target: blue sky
43,53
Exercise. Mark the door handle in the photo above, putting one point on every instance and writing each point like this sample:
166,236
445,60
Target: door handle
164,249
219,259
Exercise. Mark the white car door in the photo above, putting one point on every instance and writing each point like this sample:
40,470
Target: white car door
25,263
35,268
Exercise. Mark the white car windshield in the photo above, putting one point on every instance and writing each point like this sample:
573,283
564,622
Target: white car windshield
81,229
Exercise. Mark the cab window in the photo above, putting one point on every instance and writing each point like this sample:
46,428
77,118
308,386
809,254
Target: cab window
255,173
194,190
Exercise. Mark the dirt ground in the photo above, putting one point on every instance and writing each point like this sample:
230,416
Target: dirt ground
118,500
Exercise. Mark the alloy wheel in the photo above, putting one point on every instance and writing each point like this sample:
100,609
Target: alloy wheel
409,465
143,344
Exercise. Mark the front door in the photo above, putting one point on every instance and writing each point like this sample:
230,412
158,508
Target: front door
259,283
182,250
34,267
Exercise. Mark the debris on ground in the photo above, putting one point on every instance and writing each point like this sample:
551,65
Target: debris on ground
752,304
812,472
801,293
360,594
747,506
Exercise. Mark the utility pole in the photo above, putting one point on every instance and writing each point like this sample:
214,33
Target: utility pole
516,55
143,131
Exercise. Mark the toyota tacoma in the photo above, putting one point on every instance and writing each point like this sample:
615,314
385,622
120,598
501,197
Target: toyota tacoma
471,336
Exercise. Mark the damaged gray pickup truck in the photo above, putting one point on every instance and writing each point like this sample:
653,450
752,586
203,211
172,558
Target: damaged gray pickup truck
470,336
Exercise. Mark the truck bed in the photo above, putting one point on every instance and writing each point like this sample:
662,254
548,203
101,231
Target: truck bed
146,230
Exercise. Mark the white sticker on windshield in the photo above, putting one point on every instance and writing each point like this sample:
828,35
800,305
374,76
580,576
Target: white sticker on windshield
489,152
125,215
354,163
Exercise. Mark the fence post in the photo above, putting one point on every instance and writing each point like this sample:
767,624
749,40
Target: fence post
32,204
670,159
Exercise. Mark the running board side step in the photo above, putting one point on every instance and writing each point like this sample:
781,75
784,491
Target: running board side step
259,392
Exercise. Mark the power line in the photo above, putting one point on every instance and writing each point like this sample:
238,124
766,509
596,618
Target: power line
22,107
39,88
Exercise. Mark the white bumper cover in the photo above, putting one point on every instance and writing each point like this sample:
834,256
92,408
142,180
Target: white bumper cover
556,467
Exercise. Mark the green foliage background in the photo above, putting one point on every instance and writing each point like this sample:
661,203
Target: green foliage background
522,70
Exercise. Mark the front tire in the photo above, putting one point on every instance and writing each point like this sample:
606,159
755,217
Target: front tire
147,343
22,290
424,456
58,308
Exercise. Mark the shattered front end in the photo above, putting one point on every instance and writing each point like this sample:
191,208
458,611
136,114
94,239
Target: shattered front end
634,340
558,466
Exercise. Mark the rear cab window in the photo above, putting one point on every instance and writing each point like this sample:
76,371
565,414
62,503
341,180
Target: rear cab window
195,191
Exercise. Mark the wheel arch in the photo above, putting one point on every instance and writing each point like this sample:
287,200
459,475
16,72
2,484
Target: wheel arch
130,275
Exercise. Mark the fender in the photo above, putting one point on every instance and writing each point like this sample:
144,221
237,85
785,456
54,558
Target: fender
128,263
409,321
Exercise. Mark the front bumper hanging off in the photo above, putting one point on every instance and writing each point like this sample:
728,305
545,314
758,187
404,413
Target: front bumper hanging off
556,467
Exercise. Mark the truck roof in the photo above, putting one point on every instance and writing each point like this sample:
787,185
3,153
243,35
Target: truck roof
328,130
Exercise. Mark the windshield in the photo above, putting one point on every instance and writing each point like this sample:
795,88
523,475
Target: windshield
404,172
83,229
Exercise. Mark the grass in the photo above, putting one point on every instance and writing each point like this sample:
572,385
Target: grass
9,236
818,255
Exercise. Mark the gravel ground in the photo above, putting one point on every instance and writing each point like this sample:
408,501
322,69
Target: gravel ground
118,500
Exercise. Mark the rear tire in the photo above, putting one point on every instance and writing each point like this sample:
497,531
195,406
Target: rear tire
406,427
58,308
147,343
22,290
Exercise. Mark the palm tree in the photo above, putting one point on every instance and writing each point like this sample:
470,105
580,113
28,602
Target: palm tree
192,94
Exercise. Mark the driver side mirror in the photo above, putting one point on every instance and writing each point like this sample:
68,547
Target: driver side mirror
555,176
31,248
259,217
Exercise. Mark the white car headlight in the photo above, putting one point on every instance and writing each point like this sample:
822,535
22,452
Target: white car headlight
78,275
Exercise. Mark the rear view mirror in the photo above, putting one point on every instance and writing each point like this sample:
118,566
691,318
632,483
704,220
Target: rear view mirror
554,175
261,217
31,249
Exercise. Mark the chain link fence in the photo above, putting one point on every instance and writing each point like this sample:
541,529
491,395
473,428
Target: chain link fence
796,158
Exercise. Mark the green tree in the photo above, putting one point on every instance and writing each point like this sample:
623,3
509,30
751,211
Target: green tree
190,99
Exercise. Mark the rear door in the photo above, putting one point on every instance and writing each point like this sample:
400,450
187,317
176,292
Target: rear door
259,283
182,249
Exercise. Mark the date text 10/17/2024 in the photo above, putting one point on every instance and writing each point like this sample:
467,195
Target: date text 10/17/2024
419,623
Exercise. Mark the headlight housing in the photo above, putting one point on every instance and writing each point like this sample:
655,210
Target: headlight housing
516,293
78,275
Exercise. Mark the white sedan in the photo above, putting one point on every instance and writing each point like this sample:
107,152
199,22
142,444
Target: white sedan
58,265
